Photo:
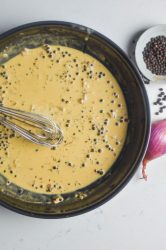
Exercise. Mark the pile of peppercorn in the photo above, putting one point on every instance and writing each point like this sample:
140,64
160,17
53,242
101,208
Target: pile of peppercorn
161,100
154,55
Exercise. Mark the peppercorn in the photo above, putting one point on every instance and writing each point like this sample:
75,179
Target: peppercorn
154,55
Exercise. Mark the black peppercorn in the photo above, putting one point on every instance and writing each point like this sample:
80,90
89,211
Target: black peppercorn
154,55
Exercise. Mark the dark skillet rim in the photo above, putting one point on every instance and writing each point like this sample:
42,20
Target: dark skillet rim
147,129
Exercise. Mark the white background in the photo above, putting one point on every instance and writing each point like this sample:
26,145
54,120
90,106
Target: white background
136,218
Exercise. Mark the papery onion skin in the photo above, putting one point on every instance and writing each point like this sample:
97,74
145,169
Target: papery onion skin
157,144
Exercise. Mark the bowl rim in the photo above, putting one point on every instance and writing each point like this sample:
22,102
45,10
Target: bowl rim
147,129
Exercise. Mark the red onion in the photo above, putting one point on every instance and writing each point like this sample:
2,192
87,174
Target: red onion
157,144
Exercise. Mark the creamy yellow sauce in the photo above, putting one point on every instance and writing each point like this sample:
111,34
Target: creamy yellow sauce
83,97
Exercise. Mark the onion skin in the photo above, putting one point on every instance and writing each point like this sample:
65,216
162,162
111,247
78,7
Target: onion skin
157,144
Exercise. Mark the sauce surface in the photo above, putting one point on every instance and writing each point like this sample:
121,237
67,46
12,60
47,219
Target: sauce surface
83,97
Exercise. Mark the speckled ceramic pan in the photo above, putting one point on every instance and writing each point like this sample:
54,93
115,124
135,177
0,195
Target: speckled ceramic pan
89,41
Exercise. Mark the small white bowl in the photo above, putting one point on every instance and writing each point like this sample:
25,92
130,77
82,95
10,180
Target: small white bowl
159,30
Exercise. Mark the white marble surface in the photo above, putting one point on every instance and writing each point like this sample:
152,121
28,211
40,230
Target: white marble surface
136,217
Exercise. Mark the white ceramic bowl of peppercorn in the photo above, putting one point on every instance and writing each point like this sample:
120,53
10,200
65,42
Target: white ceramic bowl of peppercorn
150,53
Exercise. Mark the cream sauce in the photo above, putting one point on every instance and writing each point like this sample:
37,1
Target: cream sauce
83,97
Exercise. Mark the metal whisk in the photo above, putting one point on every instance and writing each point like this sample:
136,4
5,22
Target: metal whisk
48,133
